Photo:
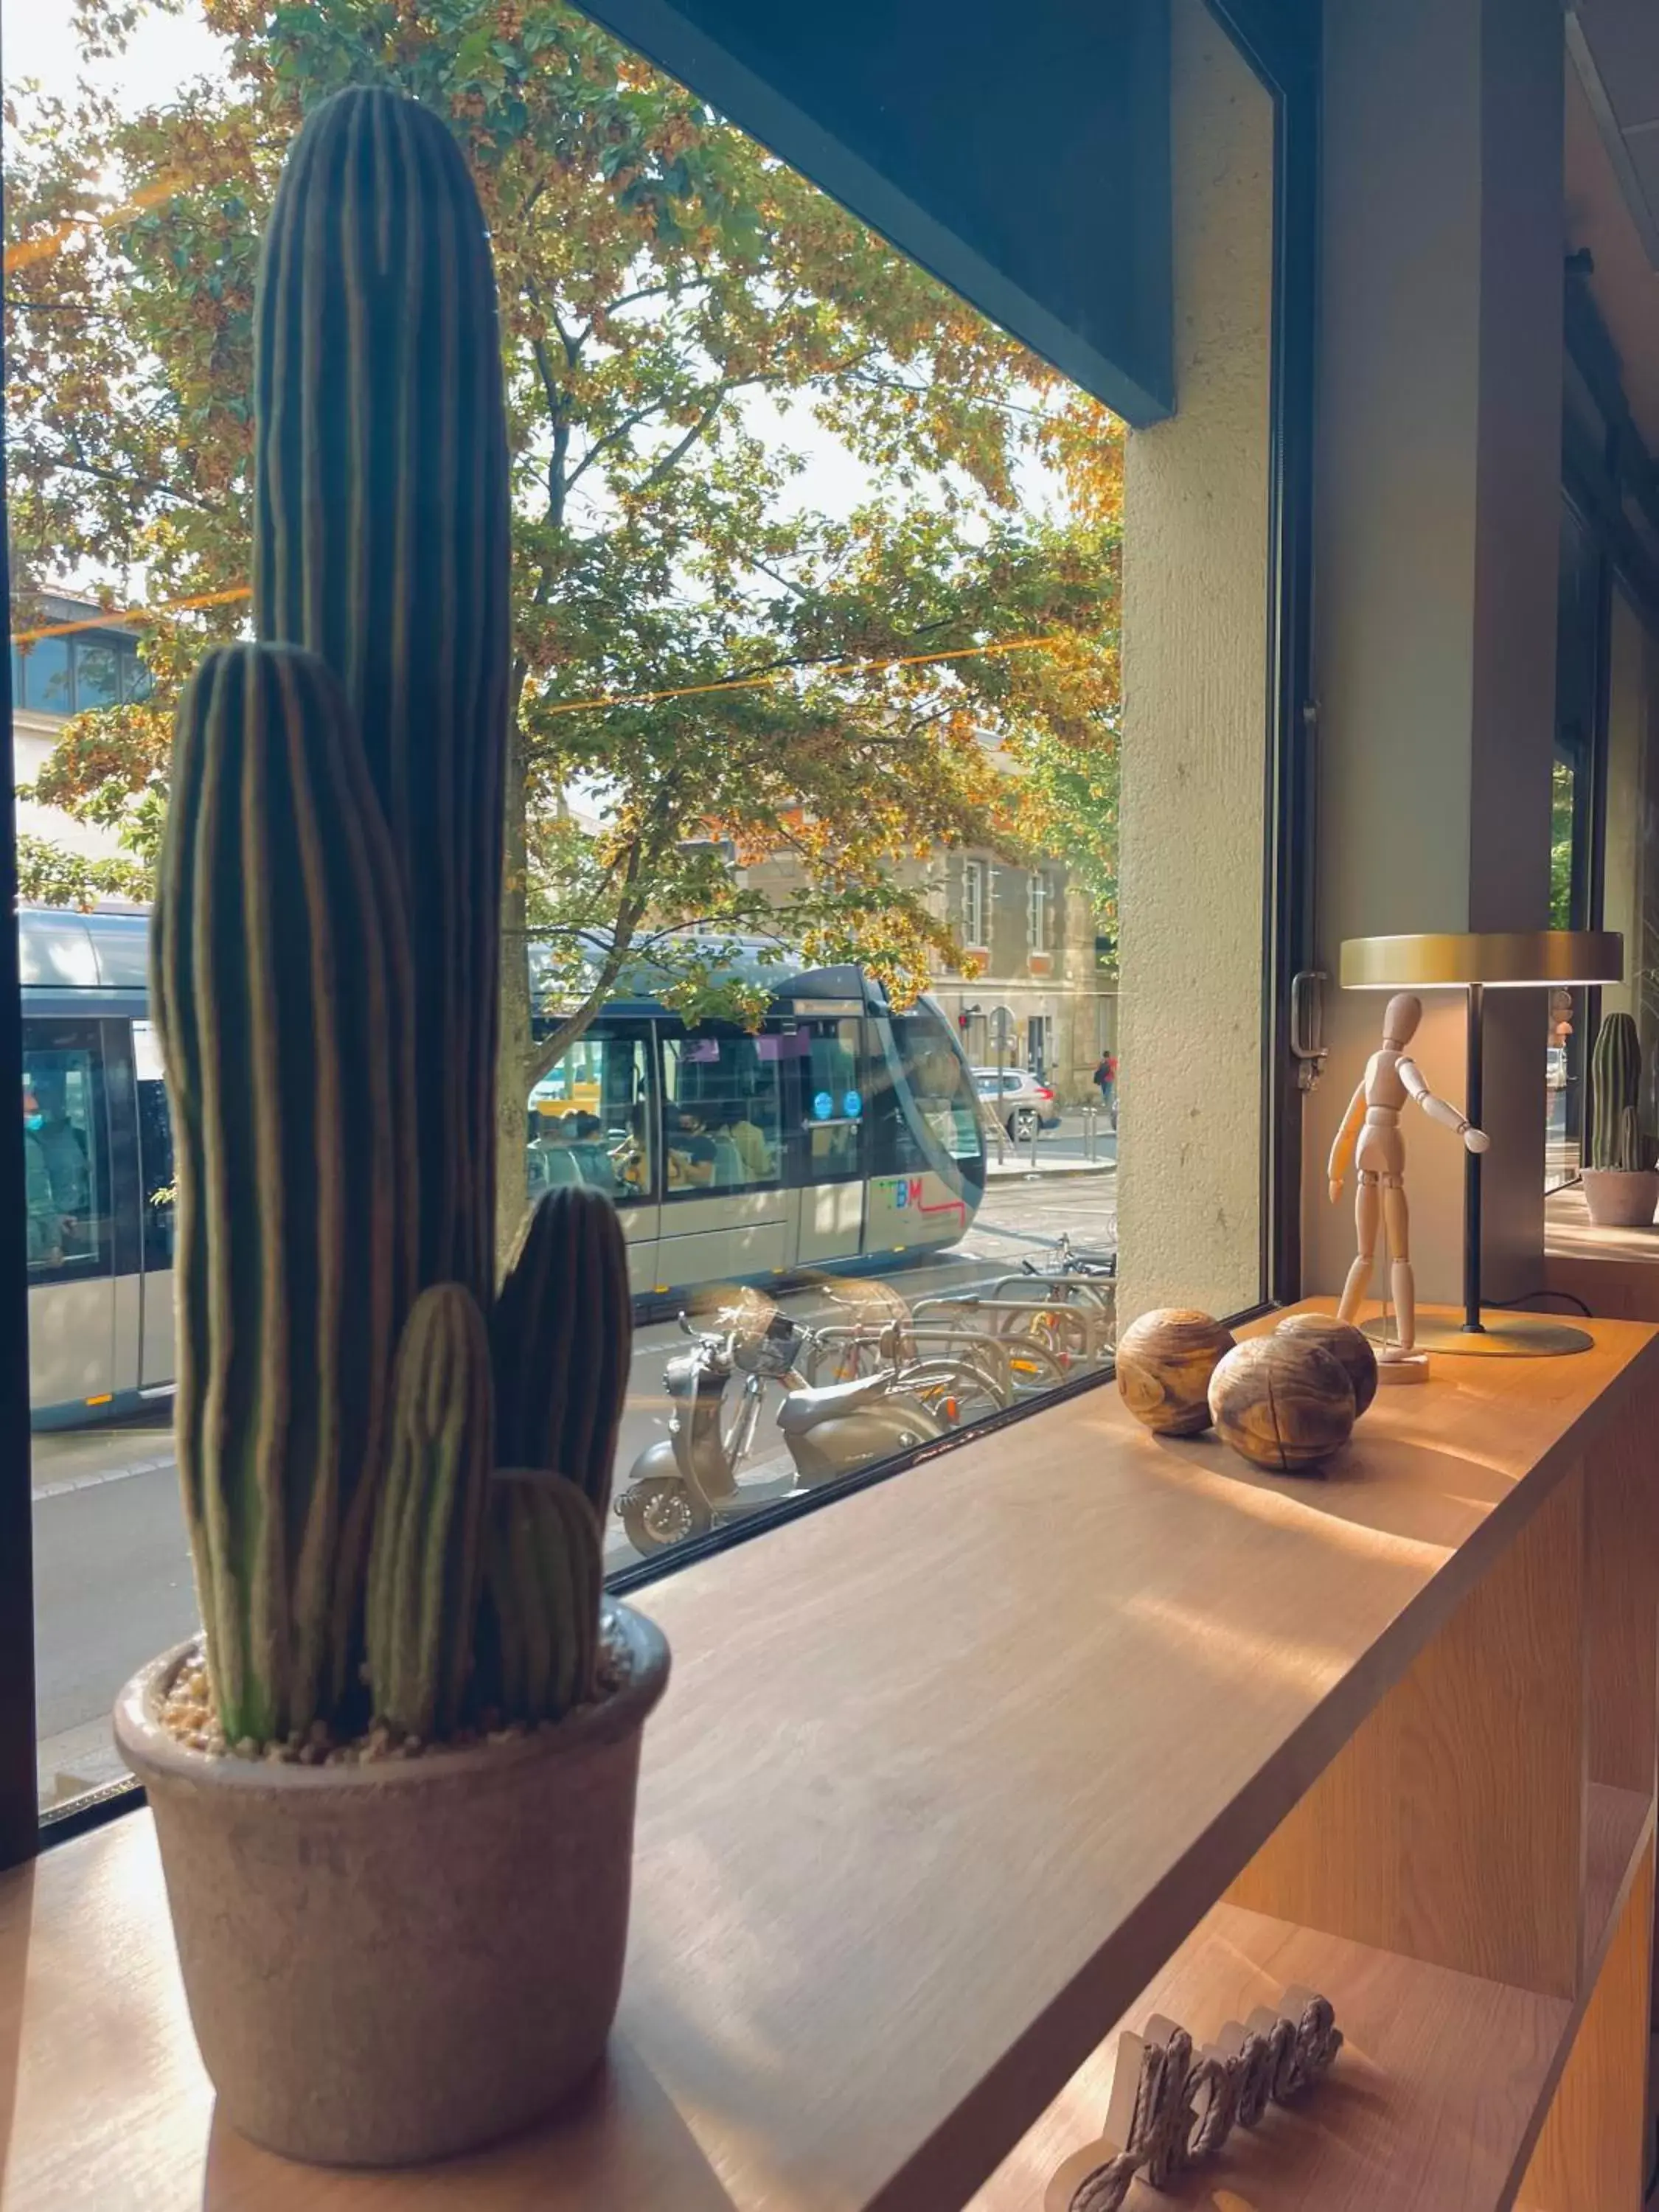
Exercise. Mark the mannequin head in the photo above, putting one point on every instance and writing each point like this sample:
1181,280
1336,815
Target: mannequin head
1400,1019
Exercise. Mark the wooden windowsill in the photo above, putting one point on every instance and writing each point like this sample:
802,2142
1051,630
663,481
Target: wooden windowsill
946,1776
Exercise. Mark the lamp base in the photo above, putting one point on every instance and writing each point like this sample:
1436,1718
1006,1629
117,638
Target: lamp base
1503,1336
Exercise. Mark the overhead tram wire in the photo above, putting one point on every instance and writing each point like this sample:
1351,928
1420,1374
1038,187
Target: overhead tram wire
114,616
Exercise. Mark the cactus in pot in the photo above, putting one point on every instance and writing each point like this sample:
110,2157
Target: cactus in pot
325,954
1621,1187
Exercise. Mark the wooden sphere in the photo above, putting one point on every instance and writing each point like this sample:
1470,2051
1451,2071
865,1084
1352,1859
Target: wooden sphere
1164,1362
1347,1345
1282,1403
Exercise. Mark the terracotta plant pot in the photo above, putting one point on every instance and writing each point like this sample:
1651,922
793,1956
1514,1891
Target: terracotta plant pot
395,1962
1622,1198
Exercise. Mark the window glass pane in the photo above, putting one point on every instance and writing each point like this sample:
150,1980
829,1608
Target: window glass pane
46,677
722,1127
97,674
590,1120
924,1108
835,1101
814,817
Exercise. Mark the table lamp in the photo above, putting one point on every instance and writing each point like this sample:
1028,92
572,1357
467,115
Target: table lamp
1476,962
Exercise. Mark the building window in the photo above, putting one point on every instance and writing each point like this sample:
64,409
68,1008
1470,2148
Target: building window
1040,912
65,676
973,903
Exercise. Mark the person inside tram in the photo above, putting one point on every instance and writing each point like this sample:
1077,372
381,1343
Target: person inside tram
691,1150
754,1153
550,1139
632,1157
45,1242
63,1153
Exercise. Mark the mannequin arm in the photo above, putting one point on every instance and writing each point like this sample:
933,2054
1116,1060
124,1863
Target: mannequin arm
1439,1109
1342,1149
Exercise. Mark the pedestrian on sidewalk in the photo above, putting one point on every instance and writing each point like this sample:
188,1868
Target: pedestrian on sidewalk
1106,1082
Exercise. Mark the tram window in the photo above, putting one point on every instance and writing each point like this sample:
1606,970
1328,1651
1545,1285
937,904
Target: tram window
590,1120
926,1103
66,1153
722,1127
155,1148
834,1101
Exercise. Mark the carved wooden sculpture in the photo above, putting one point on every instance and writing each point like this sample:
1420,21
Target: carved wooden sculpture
1171,2111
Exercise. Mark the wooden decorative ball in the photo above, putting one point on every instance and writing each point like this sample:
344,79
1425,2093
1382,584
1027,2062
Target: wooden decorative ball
1282,1403
1164,1363
1348,1346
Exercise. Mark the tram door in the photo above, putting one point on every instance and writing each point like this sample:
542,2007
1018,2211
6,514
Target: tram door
828,1109
71,1254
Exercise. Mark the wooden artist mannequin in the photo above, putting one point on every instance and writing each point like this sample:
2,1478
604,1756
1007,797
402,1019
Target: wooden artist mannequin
1379,1155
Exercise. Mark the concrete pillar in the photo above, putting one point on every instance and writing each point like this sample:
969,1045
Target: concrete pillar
1627,737
1439,511
1194,745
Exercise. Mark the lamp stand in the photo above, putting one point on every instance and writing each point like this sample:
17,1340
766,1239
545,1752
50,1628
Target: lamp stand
1507,1335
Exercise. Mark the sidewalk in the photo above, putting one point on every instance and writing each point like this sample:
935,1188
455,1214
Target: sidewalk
1018,1163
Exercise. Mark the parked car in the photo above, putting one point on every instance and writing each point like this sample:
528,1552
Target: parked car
1018,1099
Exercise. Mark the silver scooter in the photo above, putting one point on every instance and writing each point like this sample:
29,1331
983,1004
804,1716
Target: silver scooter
688,1481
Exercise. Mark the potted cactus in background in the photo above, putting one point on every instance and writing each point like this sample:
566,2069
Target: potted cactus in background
393,1783
1621,1185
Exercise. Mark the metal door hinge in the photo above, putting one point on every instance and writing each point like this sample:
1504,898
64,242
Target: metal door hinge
1308,1025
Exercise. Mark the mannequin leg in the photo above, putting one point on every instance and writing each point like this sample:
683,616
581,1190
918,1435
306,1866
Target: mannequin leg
1402,1282
1367,1211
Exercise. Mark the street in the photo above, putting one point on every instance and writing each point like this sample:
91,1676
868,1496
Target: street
112,1570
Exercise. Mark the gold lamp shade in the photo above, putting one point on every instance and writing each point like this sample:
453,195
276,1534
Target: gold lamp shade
1434,959
1475,962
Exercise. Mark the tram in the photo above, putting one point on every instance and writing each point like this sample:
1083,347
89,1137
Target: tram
841,1133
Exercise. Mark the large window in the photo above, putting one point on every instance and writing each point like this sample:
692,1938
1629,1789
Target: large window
816,926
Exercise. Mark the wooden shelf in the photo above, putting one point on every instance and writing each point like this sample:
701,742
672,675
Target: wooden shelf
1617,1826
1434,2105
945,1775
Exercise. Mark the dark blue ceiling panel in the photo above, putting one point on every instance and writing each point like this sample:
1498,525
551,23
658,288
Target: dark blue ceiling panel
1022,154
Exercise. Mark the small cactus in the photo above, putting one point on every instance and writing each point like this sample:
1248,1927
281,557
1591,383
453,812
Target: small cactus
546,1575
380,541
561,1337
1616,1139
423,1568
281,989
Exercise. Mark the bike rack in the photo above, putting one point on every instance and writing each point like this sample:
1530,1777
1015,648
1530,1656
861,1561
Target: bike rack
1011,1318
897,1342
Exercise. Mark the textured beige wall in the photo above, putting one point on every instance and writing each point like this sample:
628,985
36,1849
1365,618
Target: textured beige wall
1194,745
1435,551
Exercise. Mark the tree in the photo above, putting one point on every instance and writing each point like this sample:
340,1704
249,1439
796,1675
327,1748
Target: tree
702,662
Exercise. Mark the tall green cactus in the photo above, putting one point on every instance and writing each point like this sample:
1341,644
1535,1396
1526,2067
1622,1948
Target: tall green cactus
281,986
561,1337
545,1578
424,1566
325,958
381,524
1616,1139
